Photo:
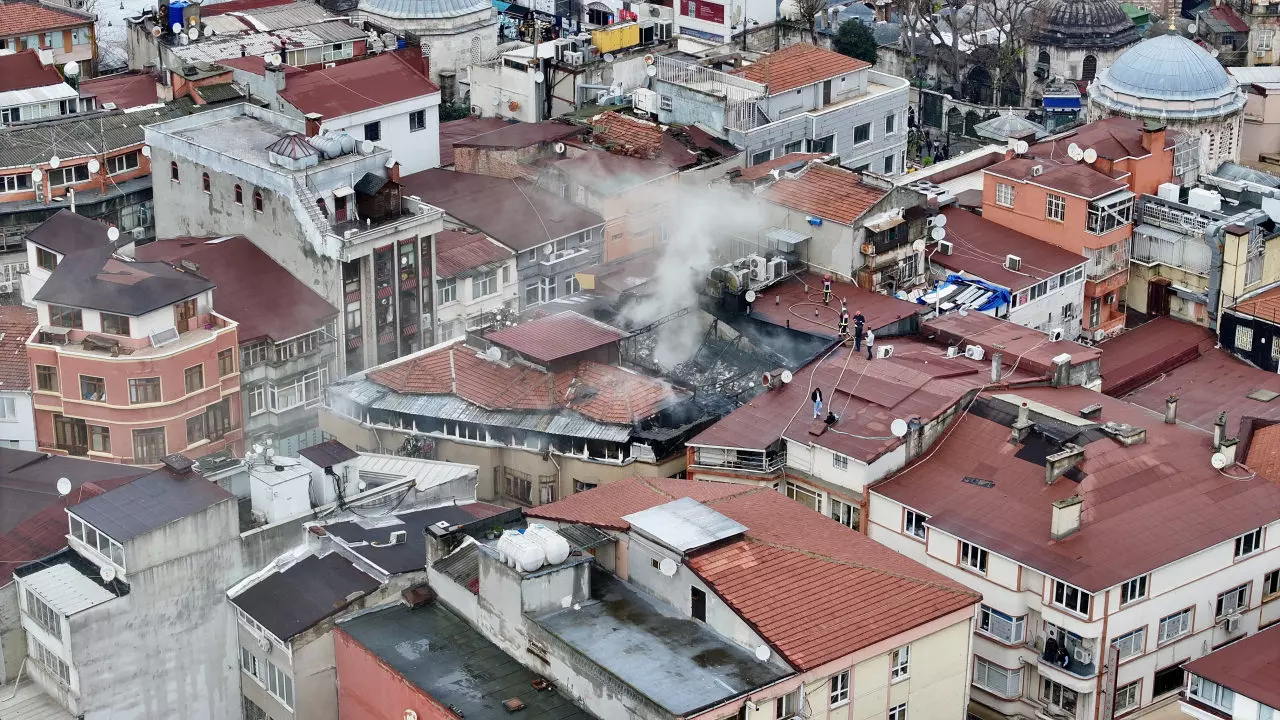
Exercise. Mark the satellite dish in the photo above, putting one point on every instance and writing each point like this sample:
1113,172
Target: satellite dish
176,28
410,714
264,644
257,449
918,245
651,70
64,487
94,166
194,33
494,353
787,377
898,427
559,148
539,77
1074,152
156,31
1192,28
146,151
366,146
938,233
71,69
763,653
1218,461
751,296
362,485
55,161
108,573
1022,147
1090,156
37,175
113,234
667,567
608,57
939,221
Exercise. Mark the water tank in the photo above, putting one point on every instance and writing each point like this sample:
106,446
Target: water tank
1168,191
1202,199
175,13
520,552
348,142
553,545
328,145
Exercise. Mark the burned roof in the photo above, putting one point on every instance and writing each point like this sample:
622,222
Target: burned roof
154,500
608,173
291,601
827,192
556,337
979,247
328,453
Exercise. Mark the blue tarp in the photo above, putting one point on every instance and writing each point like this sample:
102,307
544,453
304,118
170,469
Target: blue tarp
999,296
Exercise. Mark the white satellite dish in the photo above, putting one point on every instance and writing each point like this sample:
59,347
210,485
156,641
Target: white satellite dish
939,221
667,567
1218,461
751,296
64,487
539,77
763,653
410,714
608,57
1090,156
918,245
108,573
94,166
194,33
787,377
113,234
362,485
938,233
366,146
651,70
71,69
494,353
37,175
1022,147
1075,152
176,28
146,151
1192,28
559,148
257,449
898,427
55,161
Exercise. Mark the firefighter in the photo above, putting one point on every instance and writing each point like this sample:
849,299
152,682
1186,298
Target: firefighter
844,322
826,289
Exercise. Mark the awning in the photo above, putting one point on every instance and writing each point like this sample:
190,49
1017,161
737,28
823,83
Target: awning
599,6
1114,198
1158,232
343,191
500,6
782,236
884,221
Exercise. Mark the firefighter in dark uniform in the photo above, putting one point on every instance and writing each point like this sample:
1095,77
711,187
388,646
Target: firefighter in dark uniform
826,289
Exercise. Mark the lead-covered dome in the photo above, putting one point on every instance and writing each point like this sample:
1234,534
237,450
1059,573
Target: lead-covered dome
1085,24
1167,75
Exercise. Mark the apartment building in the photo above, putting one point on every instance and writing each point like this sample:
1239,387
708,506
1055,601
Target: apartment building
17,413
1100,578
130,620
66,32
703,24
130,361
798,99
1239,681
326,208
476,283
33,89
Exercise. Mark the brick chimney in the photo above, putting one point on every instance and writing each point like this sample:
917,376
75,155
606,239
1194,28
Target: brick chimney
393,171
313,123
1153,136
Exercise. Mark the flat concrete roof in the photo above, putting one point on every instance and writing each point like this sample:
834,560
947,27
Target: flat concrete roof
242,137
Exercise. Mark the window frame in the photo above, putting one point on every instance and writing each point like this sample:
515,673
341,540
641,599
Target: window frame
1133,590
921,520
174,175
969,554
141,389
899,664
149,434
1006,194
123,325
859,129
898,712
838,689
985,666
117,164
373,131
257,200
1061,599
42,613
1187,614
1271,580
1017,625
43,375
417,118
1134,689
1249,543
46,256
1223,699
1135,639
1222,609
63,316
97,386
1055,207
446,287
226,362
839,461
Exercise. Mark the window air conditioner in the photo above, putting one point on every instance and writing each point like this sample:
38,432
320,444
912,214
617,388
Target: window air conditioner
974,352
1013,262
1055,335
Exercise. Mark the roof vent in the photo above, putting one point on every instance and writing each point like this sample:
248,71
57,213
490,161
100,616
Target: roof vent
514,704
1062,461
1124,434
177,463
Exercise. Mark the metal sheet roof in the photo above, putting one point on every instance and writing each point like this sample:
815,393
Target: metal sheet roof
684,524
584,537
425,473
42,94
423,9
66,590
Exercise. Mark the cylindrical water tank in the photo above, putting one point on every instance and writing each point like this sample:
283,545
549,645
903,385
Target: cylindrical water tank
524,553
553,544
348,142
328,145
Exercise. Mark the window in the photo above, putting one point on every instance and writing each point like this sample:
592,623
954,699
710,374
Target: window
249,664
1135,589
239,194
11,115
531,294
148,446
1103,217
1270,585
144,390
890,124
483,284
8,410
417,120
1128,697
839,462
914,523
446,291
306,390
1055,207
804,496
763,156
226,362
793,147
44,616
299,346
888,164
1071,598
1249,543
99,439
697,603
1005,628
900,663
257,201
665,103
47,378
93,388
212,424
253,354
862,133
786,705
1173,626
824,145
194,378
973,557
46,259
65,317
115,324
1004,194
898,712
373,131
257,400
1244,341
1131,643
117,164
1211,693
580,486
13,183
279,684
205,184
1058,696
839,688
572,286
51,662
173,171
1232,601
996,679
844,513
68,175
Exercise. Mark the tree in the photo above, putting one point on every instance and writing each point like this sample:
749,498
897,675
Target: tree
808,11
855,40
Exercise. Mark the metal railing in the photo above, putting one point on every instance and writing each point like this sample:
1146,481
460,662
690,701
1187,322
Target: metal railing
760,461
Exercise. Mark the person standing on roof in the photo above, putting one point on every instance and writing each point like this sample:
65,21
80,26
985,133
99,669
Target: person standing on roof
844,322
871,340
859,321
817,403
826,289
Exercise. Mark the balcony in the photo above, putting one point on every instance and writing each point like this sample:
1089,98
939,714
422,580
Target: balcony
96,345
1075,659
742,461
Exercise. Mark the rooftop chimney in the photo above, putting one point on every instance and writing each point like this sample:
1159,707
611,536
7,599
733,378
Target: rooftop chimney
1066,517
1171,409
1060,462
1219,430
313,123
1153,136
1062,370
1229,450
996,357
1023,425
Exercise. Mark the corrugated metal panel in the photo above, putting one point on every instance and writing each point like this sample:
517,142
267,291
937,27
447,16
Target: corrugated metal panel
336,31
584,537
684,524
426,473
64,589
45,93
449,407
414,9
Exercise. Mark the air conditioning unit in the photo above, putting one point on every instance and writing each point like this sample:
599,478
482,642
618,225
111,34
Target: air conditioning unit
1099,335
573,58
758,269
1037,170
1260,52
1082,656
974,352
1055,335
399,537
1231,623
644,100
1013,262
663,30
884,351
945,247
952,351
6,288
777,269
138,233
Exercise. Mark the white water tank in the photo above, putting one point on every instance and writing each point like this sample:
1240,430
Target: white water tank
520,552
553,545
1202,199
1168,191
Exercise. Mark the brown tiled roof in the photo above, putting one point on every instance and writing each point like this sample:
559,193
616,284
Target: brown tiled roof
460,250
827,192
27,18
625,135
1073,178
798,297
798,65
1264,453
979,247
791,563
1145,506
755,172
456,131
16,325
1264,306
355,86
556,336
127,90
612,394
1140,355
1250,667
23,70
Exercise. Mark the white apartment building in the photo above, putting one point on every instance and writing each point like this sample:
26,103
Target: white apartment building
476,283
1241,681
1108,551
17,413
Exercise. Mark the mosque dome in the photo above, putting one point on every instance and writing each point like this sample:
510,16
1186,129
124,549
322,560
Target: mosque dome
1085,24
1168,76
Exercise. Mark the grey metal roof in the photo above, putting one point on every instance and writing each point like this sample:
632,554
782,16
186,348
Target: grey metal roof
1008,125
684,524
328,453
94,136
1235,171
584,537
424,9
288,602
462,566
66,590
1168,67
150,502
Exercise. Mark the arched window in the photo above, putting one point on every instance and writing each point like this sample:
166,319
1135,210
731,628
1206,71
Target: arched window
1090,68
173,171
257,200
1043,59
239,195
204,182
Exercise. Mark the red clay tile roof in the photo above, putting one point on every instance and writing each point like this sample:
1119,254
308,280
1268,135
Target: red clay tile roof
755,172
1145,506
1249,667
799,296
352,87
128,90
1264,452
456,131
1140,355
798,65
613,395
827,192
461,250
24,70
1264,306
556,336
27,18
979,247
16,325
850,591
1072,178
